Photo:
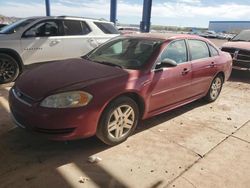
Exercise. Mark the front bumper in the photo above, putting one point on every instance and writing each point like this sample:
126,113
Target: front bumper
55,124
242,68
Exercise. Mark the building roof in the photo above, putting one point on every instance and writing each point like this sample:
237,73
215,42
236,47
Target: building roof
229,21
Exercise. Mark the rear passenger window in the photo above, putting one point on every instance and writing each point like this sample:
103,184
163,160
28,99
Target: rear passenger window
106,28
73,27
176,51
213,50
198,49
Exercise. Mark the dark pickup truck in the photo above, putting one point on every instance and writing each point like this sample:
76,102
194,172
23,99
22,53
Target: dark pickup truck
239,48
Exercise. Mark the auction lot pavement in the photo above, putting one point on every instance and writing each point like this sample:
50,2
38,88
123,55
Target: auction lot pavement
197,145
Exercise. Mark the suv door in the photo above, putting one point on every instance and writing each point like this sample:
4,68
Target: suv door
203,65
77,40
42,42
172,85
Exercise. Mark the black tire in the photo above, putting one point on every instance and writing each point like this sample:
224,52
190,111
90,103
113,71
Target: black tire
214,89
104,129
9,68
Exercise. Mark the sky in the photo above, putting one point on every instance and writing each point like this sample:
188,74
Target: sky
183,13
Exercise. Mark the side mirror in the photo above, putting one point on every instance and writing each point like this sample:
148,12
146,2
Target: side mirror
30,33
168,63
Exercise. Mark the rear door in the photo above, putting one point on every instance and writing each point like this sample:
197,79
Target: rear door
204,65
42,42
172,85
77,40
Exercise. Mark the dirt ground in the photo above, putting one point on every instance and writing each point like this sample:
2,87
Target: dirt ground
197,145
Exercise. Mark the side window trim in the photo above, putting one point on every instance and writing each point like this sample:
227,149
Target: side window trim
58,21
176,40
191,59
158,59
210,46
85,24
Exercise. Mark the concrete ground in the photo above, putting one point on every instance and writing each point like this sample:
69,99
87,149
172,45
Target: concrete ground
197,145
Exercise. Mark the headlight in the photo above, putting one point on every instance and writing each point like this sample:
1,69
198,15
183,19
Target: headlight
67,100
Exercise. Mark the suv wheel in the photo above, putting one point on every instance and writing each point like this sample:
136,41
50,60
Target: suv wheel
9,69
118,121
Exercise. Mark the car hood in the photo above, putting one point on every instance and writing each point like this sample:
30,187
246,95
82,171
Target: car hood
237,44
53,77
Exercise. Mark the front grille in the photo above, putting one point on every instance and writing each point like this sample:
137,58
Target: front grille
54,131
229,50
241,57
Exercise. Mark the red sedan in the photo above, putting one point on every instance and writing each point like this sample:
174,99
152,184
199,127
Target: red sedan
107,92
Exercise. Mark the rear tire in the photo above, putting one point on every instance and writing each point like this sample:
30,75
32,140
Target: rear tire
118,121
9,68
215,89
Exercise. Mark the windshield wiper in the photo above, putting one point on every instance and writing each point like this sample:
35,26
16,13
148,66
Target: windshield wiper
108,63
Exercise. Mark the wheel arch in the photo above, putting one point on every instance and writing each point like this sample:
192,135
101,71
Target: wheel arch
134,96
14,55
222,74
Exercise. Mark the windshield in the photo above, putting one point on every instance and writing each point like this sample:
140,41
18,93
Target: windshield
243,36
129,53
14,27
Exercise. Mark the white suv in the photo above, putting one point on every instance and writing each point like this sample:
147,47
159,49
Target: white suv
43,39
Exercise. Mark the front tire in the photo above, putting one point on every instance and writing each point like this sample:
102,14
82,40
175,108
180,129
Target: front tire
9,69
215,89
118,121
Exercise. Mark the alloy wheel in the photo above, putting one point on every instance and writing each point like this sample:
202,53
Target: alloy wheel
215,88
121,121
7,70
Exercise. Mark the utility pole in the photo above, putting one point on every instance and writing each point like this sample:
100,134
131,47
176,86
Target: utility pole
47,3
146,16
113,11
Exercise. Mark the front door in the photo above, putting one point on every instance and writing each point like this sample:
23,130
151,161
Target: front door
42,42
172,85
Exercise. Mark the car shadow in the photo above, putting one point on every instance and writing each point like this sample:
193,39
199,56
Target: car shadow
31,149
240,76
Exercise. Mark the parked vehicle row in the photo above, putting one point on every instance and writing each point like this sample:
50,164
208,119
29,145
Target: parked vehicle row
213,34
43,39
109,90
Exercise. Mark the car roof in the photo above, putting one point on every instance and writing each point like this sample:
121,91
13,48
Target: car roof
68,17
165,36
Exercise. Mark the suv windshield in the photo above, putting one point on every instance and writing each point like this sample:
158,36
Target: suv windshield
14,27
243,36
129,53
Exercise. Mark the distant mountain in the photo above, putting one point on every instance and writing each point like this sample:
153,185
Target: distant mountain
8,20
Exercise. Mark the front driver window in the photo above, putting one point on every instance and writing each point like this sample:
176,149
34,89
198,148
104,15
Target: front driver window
176,51
44,29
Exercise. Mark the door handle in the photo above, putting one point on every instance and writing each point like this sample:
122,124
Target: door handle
54,42
91,40
185,71
212,65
